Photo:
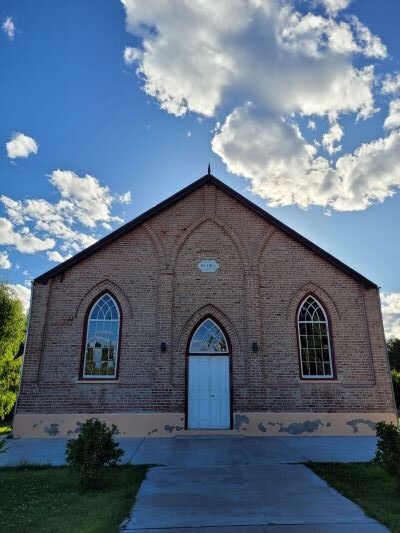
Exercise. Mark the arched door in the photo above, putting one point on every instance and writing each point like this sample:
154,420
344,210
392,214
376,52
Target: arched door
208,380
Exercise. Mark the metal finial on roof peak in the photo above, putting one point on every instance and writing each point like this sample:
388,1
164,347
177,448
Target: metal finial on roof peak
209,169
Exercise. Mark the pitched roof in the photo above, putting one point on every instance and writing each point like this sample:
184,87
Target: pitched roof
207,179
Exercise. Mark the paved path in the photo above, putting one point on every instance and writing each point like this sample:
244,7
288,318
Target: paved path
192,451
243,498
230,484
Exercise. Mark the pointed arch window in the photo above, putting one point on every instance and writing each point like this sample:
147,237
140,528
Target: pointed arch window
102,336
314,340
208,338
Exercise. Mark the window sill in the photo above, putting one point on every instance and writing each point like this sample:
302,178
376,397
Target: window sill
101,381
318,380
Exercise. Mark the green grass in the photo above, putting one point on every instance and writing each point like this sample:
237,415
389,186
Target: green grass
49,499
368,485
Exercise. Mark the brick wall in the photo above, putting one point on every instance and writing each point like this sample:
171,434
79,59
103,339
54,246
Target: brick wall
153,273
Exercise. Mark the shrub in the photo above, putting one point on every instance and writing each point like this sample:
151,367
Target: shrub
3,445
396,386
92,451
388,448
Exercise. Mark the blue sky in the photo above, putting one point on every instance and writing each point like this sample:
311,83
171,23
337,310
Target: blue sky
101,98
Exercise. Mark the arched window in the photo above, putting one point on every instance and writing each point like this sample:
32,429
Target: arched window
208,338
314,341
102,335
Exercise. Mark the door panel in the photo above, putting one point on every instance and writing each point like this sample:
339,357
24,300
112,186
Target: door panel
208,392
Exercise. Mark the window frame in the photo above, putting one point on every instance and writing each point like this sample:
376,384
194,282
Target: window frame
332,376
90,307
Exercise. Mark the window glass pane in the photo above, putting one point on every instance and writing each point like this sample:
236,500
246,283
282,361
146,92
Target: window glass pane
102,338
208,338
314,339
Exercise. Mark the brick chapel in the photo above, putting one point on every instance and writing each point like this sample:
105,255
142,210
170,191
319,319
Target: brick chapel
205,315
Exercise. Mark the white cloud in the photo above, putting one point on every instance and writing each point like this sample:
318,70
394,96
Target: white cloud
203,53
393,119
22,293
391,83
36,224
311,124
269,151
23,242
391,313
371,45
334,6
213,58
285,170
4,260
57,257
125,198
8,27
86,198
132,55
333,136
21,146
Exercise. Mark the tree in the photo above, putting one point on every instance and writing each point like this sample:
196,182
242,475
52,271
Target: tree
393,346
12,333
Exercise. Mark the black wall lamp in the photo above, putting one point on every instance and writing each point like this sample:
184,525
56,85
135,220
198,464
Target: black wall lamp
254,347
163,346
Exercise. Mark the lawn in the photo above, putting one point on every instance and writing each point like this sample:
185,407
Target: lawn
49,499
368,485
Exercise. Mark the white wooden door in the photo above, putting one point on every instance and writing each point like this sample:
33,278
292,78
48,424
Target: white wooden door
208,392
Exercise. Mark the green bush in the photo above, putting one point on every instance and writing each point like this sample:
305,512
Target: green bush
3,445
388,448
93,451
396,386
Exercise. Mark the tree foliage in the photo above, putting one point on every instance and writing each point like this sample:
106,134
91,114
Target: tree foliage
12,333
388,448
393,346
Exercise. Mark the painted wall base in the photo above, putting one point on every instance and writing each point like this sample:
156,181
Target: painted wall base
171,424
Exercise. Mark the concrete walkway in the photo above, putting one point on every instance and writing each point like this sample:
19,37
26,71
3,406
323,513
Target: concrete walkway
195,451
243,498
230,484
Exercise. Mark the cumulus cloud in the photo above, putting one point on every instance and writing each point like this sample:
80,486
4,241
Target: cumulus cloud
125,198
393,119
132,55
333,136
23,240
4,260
391,313
22,293
89,200
21,146
284,169
202,53
260,67
36,224
391,83
57,257
8,27
334,6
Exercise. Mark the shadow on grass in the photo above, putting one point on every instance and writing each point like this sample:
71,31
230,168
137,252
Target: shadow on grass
368,485
48,498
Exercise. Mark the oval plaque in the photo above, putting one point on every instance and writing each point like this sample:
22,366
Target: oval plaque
208,265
